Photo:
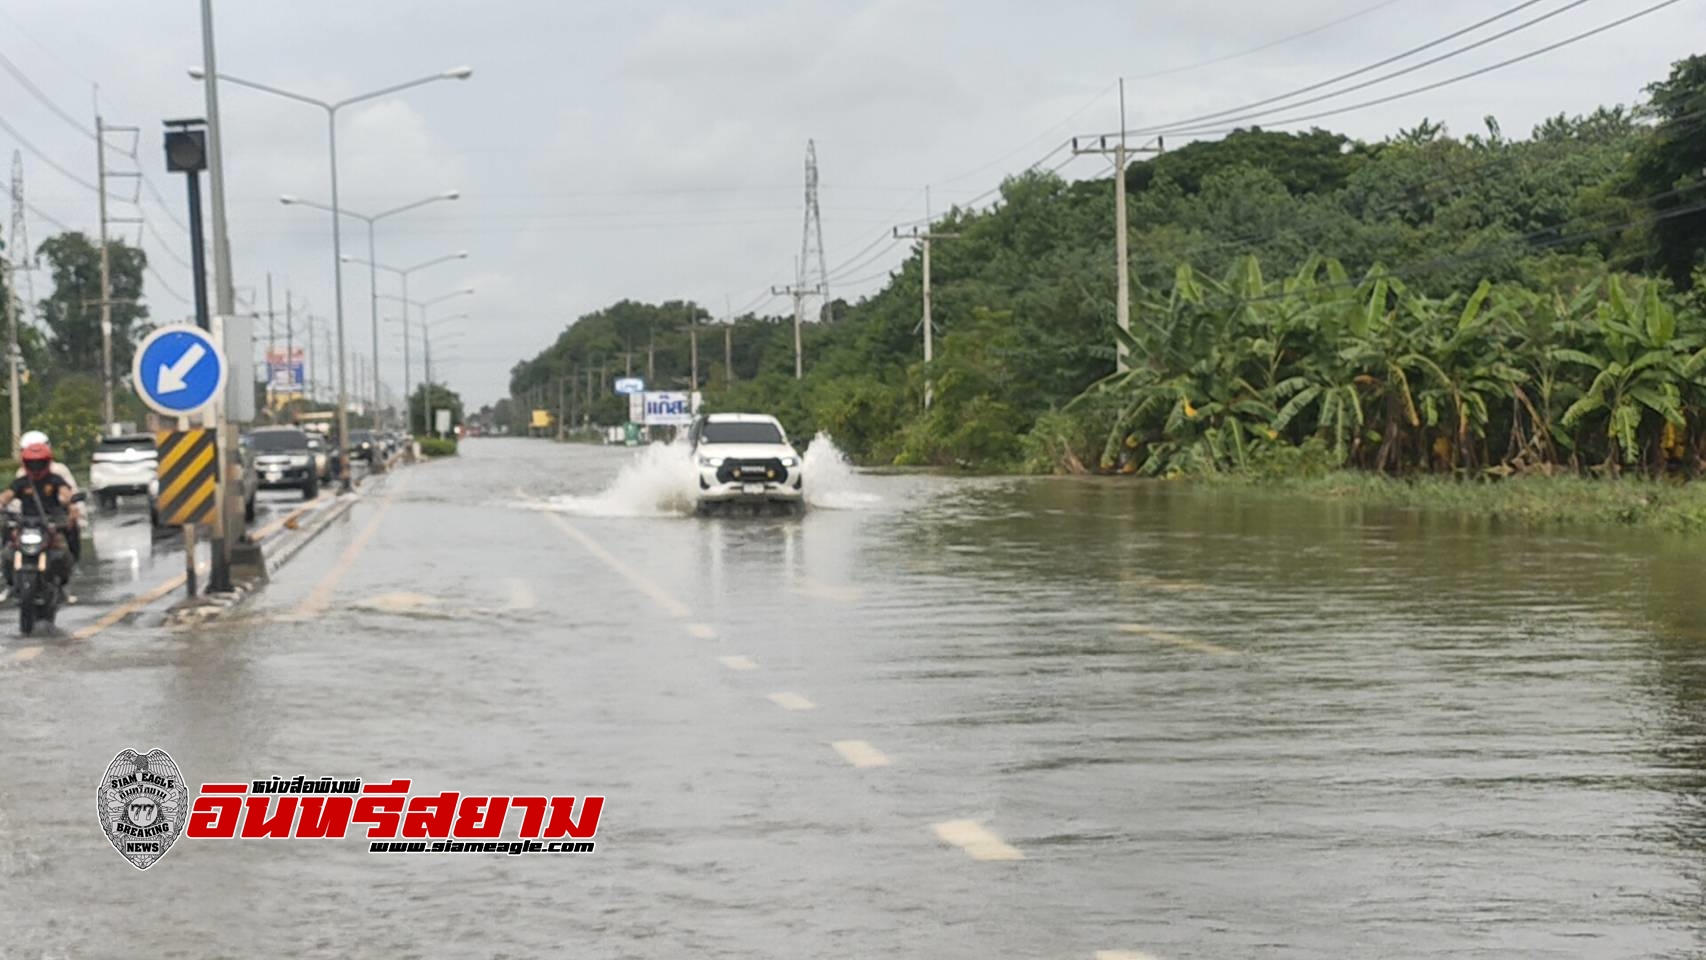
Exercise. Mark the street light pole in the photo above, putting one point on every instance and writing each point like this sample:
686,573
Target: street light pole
373,267
426,385
208,73
403,273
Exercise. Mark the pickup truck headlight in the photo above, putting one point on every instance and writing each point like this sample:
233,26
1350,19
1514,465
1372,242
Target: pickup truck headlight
790,461
710,461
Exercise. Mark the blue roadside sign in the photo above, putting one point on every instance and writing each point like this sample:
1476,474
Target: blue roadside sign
178,370
629,385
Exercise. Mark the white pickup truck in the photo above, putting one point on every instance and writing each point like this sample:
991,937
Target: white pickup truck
744,459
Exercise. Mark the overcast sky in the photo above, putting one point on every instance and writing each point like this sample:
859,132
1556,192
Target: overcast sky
654,150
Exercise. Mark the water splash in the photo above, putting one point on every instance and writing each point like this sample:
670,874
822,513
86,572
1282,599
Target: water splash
831,482
659,481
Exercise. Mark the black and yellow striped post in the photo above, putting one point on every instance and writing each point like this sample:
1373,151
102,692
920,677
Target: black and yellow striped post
189,477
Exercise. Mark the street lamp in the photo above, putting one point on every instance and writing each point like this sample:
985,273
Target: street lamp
372,274
426,412
426,339
456,73
403,274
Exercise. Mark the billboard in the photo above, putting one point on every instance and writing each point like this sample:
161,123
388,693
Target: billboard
285,370
669,409
541,418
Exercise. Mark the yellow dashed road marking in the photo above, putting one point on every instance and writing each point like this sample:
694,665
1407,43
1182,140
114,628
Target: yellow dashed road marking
321,596
860,754
738,663
1174,639
27,653
703,631
976,840
791,701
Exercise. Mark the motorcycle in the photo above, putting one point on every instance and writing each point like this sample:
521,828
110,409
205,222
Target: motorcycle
39,564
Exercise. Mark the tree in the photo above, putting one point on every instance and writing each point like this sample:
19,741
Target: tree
443,398
73,312
1670,165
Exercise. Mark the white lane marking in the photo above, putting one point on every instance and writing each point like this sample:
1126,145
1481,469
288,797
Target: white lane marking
27,653
791,701
1124,955
1188,643
827,591
672,606
738,663
703,631
521,595
977,840
860,753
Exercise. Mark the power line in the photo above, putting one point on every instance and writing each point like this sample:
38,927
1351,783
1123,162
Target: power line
1460,77
165,207
46,101
1170,71
175,295
167,247
1162,128
38,212
44,158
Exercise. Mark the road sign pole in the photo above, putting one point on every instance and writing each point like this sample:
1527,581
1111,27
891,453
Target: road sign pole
189,539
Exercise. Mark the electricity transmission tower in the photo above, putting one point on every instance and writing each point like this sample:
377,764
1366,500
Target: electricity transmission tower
811,237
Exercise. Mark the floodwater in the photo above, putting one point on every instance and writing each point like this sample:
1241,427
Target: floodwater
934,717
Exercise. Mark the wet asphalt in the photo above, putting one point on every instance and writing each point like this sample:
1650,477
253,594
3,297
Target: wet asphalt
934,717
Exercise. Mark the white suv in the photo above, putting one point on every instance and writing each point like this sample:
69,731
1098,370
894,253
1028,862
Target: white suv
122,465
745,458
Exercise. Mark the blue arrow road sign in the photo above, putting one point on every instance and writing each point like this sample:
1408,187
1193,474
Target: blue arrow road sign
178,370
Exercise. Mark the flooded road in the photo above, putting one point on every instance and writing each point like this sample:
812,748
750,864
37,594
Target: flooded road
935,717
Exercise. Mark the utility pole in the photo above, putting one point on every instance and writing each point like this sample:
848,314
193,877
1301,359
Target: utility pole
290,340
693,348
799,292
651,358
1122,239
924,238
728,340
102,174
19,259
562,405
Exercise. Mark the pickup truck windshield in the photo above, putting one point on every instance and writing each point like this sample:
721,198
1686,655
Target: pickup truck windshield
740,433
273,441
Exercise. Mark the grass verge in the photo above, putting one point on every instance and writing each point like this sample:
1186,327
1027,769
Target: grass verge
1662,505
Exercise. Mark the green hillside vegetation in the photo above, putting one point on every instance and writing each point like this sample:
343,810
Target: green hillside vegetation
1427,304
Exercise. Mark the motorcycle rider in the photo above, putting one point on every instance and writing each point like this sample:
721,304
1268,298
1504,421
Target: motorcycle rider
74,529
41,489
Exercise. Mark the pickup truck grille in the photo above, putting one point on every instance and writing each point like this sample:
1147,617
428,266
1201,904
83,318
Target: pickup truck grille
752,471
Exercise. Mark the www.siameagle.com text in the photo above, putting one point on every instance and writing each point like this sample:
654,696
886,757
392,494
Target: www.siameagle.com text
511,847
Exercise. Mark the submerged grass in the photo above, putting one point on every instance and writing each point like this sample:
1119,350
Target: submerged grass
1654,504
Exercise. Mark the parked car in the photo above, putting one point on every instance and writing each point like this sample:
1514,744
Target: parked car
122,466
364,445
322,459
284,460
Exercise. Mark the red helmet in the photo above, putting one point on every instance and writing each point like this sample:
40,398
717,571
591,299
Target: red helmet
38,458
